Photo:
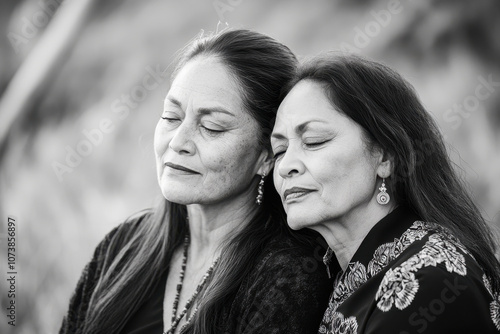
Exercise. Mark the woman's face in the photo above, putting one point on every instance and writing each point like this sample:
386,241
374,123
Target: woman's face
206,144
323,169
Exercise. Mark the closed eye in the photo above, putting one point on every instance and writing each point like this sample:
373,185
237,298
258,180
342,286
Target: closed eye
278,155
170,119
316,143
211,131
278,152
211,128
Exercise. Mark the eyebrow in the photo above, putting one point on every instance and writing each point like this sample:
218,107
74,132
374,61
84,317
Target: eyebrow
208,111
299,129
202,111
173,100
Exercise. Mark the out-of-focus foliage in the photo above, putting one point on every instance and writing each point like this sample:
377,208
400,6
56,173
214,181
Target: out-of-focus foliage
442,47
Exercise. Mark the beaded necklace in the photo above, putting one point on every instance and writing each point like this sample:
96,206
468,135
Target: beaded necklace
176,319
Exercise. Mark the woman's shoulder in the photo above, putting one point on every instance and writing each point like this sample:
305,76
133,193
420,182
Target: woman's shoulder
286,290
287,257
439,251
436,280
437,257
103,256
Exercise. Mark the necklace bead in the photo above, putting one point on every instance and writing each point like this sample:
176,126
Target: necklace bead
177,318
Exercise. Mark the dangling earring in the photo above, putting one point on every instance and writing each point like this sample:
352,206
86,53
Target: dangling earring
383,197
260,190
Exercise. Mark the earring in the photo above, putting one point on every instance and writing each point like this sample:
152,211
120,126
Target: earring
260,190
383,197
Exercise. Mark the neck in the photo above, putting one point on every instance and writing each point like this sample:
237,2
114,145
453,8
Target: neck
345,234
211,225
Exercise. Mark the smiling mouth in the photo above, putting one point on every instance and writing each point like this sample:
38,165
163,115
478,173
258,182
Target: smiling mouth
180,168
295,192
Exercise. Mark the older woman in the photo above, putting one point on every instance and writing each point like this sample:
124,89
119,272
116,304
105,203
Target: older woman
359,160
217,256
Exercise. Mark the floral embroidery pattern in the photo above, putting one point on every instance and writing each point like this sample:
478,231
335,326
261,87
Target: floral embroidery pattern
382,257
495,311
487,284
357,274
495,304
399,286
341,325
387,252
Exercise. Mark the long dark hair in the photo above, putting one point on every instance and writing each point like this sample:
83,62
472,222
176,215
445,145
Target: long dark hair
386,106
261,66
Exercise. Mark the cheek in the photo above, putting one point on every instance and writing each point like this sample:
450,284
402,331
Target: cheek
231,161
351,178
161,140
340,173
277,178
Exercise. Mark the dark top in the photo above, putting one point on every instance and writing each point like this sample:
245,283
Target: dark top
286,292
410,276
149,317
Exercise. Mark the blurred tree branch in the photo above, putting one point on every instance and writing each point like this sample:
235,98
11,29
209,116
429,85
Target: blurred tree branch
6,64
30,81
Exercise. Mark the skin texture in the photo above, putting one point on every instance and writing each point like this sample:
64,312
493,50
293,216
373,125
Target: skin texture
320,149
225,161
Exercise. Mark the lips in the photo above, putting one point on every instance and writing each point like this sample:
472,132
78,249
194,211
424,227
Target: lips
295,192
180,168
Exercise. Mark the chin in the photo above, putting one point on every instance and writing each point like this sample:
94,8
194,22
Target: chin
296,223
298,217
178,197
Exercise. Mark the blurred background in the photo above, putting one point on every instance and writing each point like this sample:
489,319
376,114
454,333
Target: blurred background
82,84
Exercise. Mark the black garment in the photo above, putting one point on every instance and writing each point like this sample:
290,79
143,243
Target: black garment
149,317
410,276
286,292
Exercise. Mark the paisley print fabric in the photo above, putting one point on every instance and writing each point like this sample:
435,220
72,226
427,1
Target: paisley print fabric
410,276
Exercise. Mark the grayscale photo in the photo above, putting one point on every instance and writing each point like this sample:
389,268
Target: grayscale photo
249,167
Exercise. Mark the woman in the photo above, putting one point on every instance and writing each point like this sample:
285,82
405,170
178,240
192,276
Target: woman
217,256
359,160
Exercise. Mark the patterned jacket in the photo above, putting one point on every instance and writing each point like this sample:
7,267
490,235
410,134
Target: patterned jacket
410,276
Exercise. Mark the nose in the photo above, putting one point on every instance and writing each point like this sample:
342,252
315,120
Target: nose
290,164
182,140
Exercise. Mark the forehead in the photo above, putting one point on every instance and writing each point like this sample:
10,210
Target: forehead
206,79
306,102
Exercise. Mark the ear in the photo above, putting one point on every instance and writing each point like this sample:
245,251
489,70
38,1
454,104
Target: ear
265,162
385,164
